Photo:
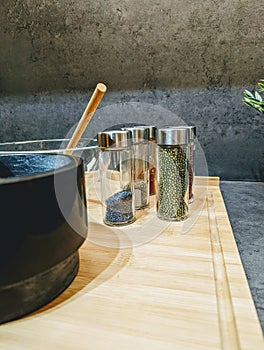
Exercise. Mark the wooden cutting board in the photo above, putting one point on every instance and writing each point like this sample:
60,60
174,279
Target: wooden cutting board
183,288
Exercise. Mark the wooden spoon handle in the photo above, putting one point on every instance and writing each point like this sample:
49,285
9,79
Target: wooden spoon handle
87,115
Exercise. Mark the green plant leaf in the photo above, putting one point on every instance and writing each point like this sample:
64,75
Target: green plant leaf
257,96
255,100
252,100
247,93
247,103
261,86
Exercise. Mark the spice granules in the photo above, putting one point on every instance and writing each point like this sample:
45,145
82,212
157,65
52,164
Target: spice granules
119,208
172,182
141,194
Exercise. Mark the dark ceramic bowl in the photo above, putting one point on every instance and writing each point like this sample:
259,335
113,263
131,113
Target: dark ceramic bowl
43,223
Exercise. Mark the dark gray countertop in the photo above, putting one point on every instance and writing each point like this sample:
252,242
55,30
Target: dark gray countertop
244,203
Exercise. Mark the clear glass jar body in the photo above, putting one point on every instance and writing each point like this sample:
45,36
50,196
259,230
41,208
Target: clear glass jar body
172,182
152,167
117,195
151,132
141,175
191,171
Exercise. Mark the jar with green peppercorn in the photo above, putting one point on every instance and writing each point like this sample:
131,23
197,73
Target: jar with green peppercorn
191,158
116,165
172,173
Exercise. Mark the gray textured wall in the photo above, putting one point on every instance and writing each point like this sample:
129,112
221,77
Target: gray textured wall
192,57
49,45
230,133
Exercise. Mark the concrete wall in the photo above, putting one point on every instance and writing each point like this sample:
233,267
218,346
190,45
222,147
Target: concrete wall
230,133
193,58
49,45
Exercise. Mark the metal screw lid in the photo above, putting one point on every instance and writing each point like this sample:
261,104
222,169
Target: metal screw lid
139,133
193,131
152,130
114,139
173,136
191,128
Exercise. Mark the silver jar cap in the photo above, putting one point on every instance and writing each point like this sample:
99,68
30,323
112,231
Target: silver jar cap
193,131
114,139
191,128
152,130
139,133
173,136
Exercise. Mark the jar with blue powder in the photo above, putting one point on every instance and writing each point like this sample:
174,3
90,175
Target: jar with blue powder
115,163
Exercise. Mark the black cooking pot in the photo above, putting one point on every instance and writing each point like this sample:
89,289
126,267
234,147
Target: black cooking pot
43,222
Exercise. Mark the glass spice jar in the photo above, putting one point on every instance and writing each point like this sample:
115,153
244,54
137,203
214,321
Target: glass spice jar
140,139
191,160
115,164
152,158
191,168
172,173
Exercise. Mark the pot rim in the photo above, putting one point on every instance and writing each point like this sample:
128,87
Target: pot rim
74,161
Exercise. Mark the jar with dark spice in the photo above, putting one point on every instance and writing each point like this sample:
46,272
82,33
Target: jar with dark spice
152,158
140,139
191,168
115,164
172,173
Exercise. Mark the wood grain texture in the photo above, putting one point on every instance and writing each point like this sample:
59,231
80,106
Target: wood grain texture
227,321
86,117
159,295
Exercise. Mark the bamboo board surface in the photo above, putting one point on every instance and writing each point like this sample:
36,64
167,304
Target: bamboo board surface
182,289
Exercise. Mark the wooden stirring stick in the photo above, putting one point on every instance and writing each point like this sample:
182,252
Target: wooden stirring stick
87,116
